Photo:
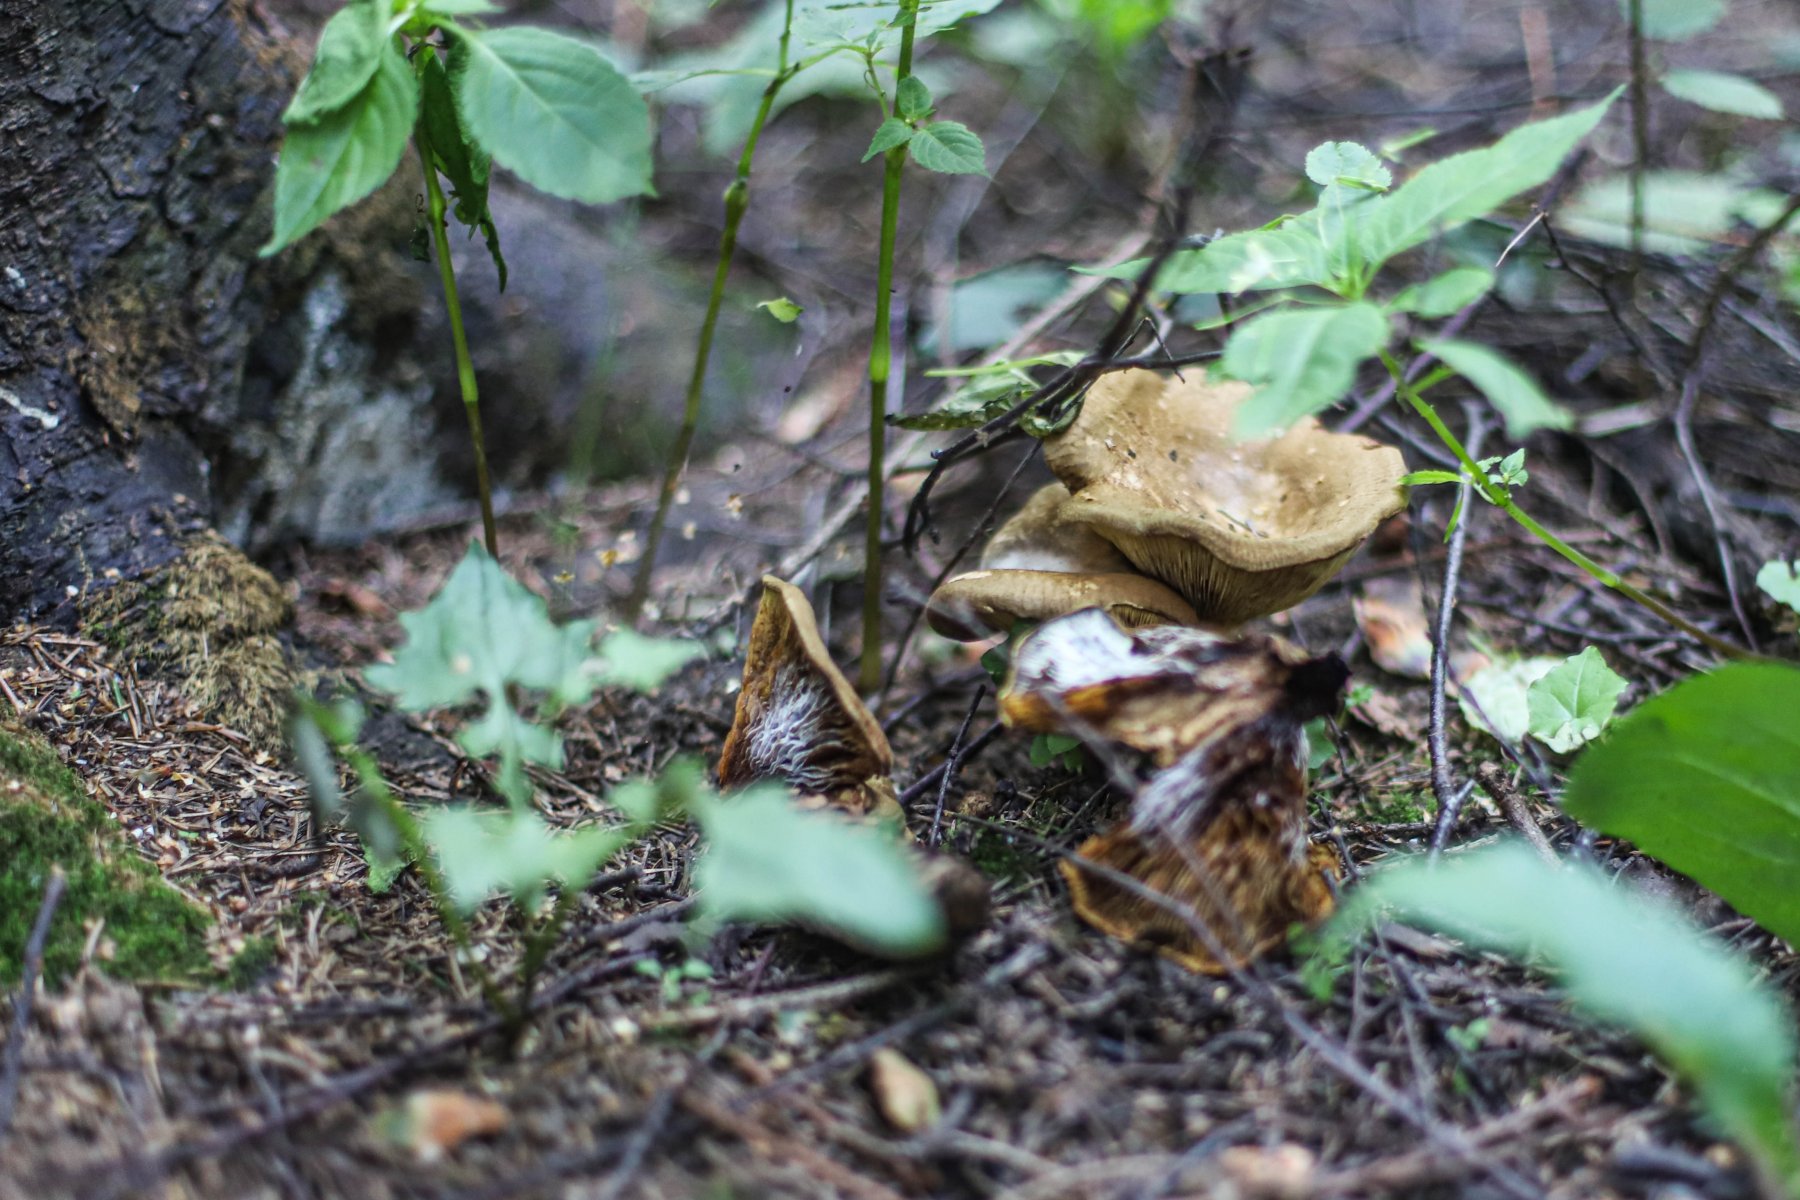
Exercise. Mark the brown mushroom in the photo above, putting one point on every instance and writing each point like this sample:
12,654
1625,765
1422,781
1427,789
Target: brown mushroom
1039,565
1238,529
1213,863
799,720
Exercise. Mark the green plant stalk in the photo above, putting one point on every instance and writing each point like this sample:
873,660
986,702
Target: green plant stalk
881,360
737,201
465,367
1501,498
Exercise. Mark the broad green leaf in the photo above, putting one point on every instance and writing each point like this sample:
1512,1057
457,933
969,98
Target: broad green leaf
461,8
349,50
1513,393
484,852
481,634
1415,478
1445,294
460,159
1685,212
1781,580
1285,256
767,860
642,663
1724,92
1706,777
1122,24
1346,163
1496,698
333,162
1676,20
912,99
782,309
1627,958
1573,702
1302,360
554,112
890,133
1471,184
949,148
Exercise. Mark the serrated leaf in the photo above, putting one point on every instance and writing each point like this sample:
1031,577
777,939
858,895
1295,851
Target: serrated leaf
912,99
485,852
1706,777
349,50
1346,163
767,860
482,633
949,148
554,112
1628,959
331,163
1495,699
1445,294
1573,702
1676,20
1781,580
1724,92
1287,256
642,663
1465,186
782,309
890,133
1302,360
1515,395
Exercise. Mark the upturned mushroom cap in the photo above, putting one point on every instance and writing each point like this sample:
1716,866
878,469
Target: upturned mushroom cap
1039,566
1238,529
799,720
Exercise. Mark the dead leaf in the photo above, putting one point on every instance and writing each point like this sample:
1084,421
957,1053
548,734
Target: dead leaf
906,1096
1283,1172
438,1120
1391,612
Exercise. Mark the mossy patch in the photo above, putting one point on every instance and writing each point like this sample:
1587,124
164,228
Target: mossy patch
211,620
47,819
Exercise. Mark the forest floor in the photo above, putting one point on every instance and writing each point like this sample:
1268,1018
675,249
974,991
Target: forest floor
350,1050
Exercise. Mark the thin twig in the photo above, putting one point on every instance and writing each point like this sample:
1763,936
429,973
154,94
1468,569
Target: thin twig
1684,439
1443,787
951,764
34,960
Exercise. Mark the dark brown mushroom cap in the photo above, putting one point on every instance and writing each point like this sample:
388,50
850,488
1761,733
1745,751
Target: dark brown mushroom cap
1039,566
1238,529
799,720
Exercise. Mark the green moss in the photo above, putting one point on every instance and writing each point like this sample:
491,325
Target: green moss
250,964
47,819
999,857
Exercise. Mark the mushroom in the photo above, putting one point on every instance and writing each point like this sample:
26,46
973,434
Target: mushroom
799,720
1041,565
1238,529
1213,864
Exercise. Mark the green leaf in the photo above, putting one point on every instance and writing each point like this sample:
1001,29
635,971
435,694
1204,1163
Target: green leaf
1496,700
1685,212
949,148
1472,184
1573,702
1513,393
1303,360
1781,580
1724,92
1676,20
1445,294
479,635
1347,164
1412,478
349,50
484,852
767,860
1627,959
782,309
461,8
644,663
1706,777
890,133
333,162
457,157
554,112
912,99
1285,256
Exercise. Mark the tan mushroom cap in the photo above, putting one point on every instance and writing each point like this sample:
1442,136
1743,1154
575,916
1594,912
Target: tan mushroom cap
1238,529
1039,566
799,720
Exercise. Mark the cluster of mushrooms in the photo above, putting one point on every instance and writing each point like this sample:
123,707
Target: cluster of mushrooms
1136,571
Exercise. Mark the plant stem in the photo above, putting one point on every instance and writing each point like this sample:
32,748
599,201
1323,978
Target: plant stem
465,367
1501,498
737,200
881,360
1640,129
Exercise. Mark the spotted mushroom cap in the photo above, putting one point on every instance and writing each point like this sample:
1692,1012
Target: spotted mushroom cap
1238,529
1039,566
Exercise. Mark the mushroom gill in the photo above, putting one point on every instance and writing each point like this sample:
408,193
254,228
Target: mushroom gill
1040,565
1213,863
1238,529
